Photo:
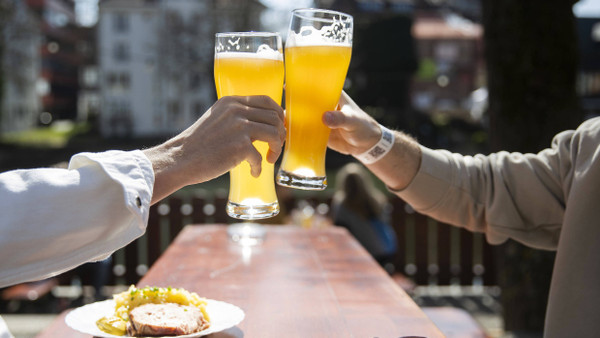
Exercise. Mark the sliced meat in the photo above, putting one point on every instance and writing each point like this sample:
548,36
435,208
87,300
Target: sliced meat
167,319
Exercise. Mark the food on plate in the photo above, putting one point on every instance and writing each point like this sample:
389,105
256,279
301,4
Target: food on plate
165,319
112,325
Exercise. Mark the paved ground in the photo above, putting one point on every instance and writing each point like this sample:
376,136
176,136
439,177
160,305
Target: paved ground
481,303
27,325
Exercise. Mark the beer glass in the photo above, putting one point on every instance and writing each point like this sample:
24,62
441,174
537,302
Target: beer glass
250,63
317,55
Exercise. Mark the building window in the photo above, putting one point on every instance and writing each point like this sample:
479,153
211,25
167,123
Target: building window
447,51
120,23
596,32
56,18
120,122
197,110
121,52
195,80
125,81
174,112
90,76
118,81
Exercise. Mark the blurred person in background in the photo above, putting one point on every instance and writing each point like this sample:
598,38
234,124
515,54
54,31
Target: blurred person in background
358,206
546,200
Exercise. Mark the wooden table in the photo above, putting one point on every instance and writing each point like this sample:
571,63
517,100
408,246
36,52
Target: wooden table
297,283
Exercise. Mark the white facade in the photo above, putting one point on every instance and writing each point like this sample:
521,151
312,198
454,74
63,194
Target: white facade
185,62
127,53
20,62
148,85
156,59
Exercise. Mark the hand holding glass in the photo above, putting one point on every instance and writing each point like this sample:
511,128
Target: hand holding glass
250,63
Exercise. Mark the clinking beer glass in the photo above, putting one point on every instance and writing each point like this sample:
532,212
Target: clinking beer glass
317,55
250,63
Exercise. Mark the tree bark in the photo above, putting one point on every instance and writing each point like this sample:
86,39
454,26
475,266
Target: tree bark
531,55
5,13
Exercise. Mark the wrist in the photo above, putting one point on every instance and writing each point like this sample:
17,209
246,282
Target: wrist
379,149
167,173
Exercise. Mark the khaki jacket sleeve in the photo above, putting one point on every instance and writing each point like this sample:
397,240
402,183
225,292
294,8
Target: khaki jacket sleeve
505,195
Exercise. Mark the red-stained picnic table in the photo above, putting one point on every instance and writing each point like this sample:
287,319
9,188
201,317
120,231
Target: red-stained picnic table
297,283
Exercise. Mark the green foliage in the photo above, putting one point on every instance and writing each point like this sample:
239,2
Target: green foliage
427,70
56,136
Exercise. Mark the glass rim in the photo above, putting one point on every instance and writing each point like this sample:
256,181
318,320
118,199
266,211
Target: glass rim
297,12
252,34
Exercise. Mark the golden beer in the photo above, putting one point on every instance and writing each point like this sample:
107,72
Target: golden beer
315,77
316,68
245,74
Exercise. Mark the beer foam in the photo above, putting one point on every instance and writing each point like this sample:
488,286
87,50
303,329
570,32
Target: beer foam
326,36
263,52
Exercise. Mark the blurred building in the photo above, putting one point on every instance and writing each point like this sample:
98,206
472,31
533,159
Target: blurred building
60,58
470,9
451,64
88,98
588,80
423,55
156,61
20,38
383,57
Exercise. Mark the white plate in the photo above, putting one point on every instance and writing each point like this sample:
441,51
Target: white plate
222,316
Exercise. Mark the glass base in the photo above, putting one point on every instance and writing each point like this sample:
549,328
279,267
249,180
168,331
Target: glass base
241,211
290,180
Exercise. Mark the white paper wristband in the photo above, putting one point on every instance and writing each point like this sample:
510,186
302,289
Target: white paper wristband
380,149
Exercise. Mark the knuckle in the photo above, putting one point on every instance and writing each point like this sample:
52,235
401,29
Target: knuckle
274,115
226,99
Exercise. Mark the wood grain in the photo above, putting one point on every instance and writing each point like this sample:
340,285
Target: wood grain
297,283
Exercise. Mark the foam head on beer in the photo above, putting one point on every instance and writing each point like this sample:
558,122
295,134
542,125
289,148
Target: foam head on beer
339,33
263,52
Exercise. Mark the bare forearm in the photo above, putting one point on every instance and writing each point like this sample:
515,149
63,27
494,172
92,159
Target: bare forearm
164,163
397,168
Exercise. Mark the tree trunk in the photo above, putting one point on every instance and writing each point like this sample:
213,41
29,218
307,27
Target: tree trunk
531,55
5,12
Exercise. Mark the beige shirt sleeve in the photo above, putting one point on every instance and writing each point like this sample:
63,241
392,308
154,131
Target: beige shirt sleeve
505,195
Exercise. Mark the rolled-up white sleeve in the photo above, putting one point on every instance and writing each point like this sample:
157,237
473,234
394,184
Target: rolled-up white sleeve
56,219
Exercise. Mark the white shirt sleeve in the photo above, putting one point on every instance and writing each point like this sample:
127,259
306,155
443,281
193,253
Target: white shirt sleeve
52,220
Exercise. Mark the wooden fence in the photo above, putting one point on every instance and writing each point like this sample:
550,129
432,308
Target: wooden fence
430,253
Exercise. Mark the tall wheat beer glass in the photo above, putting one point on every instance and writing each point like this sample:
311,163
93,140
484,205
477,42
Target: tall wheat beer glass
317,55
250,63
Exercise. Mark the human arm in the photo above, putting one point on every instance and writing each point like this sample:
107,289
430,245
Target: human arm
505,195
217,142
353,132
55,219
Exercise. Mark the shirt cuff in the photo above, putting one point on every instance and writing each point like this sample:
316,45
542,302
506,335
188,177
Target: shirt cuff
132,170
430,184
